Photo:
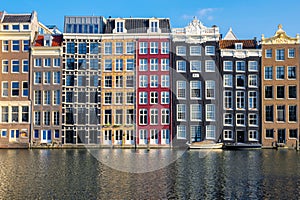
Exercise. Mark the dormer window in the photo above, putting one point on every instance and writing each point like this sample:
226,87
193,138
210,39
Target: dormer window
120,27
238,45
47,40
5,27
154,26
25,27
16,27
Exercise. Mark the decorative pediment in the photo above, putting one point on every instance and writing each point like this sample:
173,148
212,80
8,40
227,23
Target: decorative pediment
280,37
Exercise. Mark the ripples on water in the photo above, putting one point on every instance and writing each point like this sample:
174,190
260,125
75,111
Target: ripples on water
76,174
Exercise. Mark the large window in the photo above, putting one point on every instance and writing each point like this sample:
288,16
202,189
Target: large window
181,132
240,100
143,65
143,97
5,45
195,87
210,89
15,114
108,81
195,66
252,100
269,133
211,132
71,47
107,48
292,113
228,66
281,113
37,118
292,92
25,89
181,89
228,119
56,118
240,81
279,54
280,92
240,66
253,135
268,53
292,72
210,112
47,77
293,133
108,65
119,48
153,116
143,47
15,68
228,135
4,115
37,97
129,81
94,49
143,113
165,97
119,117
82,48
165,116
196,112
227,80
253,66
181,66
119,65
120,27
240,119
253,81
210,50
268,92
195,50
130,116
153,47
165,64
15,89
47,97
143,81
181,112
153,64
165,81
196,133
291,53
130,47
153,81
153,97
210,66
4,89
107,117
107,98
46,116
280,73
181,50
269,113
253,119
129,65
15,45
228,100
165,47
119,98
119,81
268,73
25,66
4,66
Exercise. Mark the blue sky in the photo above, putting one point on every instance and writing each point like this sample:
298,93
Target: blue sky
247,18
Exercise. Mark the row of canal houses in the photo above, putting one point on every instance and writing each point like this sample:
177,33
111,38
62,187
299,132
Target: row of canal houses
139,82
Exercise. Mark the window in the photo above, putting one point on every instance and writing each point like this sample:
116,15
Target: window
25,90
47,97
4,66
56,134
16,27
108,81
228,66
46,118
292,92
120,27
252,100
5,45
15,66
94,49
153,116
70,64
25,45
210,112
238,45
269,133
291,53
71,47
253,81
6,27
195,50
165,97
195,66
165,116
227,80
119,81
15,114
143,65
56,77
165,81
130,47
253,66
195,87
279,54
143,47
4,116
56,97
181,89
143,81
130,98
292,113
15,89
210,50
108,65
82,48
268,92
181,112
129,81
181,50
253,135
153,64
25,66
153,97
165,48
210,66
165,64
70,80
56,118
37,118
228,119
268,53
15,45
107,117
154,26
196,112
181,132
153,47
240,119
293,133
269,114
119,64
143,97
47,77
4,89
130,116
119,98
143,116
37,97
211,132
228,100
240,100
129,64
292,72
107,48
69,97
280,92
268,73
153,81
107,98
228,135
181,66
253,119
240,66
196,133
94,64
143,134
119,48
210,89
240,81
280,73
281,113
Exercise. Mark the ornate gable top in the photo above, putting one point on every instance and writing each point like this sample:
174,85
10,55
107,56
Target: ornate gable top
280,37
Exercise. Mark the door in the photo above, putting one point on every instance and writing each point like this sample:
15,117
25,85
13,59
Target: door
46,136
118,137
143,137
154,137
281,136
107,137
165,137
240,136
14,135
130,137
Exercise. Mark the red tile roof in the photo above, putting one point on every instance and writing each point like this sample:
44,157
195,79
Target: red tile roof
230,44
56,41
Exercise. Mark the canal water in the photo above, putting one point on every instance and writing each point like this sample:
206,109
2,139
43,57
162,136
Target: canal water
78,174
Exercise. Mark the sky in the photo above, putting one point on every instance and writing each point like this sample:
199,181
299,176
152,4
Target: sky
248,19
